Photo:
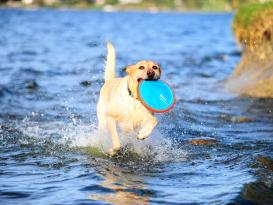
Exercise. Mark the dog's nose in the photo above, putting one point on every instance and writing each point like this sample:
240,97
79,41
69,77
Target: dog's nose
150,74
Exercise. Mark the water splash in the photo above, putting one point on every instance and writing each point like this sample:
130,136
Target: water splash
79,134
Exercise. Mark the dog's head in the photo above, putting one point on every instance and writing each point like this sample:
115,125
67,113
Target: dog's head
144,70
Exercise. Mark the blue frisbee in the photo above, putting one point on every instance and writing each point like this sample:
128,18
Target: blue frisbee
156,96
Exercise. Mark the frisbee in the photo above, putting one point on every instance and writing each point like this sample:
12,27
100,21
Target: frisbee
156,95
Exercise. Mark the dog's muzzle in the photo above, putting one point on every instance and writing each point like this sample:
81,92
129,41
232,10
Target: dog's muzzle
150,74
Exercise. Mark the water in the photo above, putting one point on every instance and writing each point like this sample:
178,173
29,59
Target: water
51,67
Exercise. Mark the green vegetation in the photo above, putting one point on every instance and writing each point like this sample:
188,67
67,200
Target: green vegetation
253,23
249,12
220,5
203,5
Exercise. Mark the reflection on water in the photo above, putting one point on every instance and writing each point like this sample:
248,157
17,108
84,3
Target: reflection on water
51,69
123,189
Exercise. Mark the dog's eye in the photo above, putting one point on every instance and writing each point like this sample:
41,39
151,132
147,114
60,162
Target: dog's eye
141,67
155,67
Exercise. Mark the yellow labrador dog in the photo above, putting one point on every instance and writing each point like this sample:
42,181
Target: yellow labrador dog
118,103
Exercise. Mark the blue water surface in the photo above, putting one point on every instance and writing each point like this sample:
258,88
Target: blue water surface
51,70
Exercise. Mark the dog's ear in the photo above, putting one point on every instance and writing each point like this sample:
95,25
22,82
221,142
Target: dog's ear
129,68
160,71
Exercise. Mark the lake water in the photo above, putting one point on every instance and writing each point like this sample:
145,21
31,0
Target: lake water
51,70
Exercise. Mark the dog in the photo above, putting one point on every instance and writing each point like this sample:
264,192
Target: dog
118,102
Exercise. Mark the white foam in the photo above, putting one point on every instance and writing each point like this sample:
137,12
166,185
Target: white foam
85,134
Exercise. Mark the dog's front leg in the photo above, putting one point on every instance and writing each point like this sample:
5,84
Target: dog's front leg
111,125
147,128
126,127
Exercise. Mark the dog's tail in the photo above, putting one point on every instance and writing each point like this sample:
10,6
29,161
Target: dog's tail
109,72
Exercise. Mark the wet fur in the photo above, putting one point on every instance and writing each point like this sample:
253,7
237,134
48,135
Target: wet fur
117,106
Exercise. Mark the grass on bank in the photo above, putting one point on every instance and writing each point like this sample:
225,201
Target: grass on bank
249,12
253,24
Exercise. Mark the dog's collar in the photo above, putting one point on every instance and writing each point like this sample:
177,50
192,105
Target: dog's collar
130,92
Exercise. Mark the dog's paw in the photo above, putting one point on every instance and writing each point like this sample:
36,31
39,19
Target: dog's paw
113,152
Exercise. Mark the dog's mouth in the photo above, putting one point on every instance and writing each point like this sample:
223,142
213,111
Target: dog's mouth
139,79
149,79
